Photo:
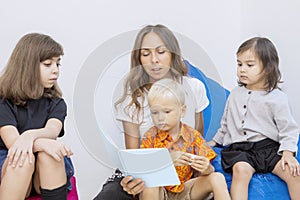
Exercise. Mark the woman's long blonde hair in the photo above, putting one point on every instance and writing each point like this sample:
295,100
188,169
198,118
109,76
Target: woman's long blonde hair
20,80
137,78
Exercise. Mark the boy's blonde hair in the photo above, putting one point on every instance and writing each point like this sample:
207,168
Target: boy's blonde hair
167,88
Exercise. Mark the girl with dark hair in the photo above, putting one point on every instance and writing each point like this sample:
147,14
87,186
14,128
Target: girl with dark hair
257,124
32,114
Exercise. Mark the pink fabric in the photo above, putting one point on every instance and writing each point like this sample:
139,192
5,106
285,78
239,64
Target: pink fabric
72,195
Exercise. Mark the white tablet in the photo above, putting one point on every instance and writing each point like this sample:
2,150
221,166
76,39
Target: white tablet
153,165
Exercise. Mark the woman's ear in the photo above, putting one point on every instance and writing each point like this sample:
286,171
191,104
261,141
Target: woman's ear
183,110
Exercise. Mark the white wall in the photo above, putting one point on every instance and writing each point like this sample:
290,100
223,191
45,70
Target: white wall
82,26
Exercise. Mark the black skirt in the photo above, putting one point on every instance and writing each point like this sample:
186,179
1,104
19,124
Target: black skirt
262,155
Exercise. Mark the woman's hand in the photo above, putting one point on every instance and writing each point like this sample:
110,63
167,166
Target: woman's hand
292,163
202,165
20,149
52,147
132,186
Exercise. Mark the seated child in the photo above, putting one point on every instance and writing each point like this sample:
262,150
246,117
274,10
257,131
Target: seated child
190,154
257,125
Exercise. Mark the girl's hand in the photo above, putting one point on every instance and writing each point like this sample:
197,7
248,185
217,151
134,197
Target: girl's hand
132,186
201,164
289,160
212,143
52,147
180,158
20,149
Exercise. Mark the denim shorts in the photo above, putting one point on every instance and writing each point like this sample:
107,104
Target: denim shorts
3,155
68,166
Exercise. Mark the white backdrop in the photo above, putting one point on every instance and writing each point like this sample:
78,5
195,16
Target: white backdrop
218,27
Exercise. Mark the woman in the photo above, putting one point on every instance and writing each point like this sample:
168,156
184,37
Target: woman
156,55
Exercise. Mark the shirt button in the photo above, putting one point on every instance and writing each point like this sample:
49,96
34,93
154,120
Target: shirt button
245,133
249,92
243,121
245,106
172,148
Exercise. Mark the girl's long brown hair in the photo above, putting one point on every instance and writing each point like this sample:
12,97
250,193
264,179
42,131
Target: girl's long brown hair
20,80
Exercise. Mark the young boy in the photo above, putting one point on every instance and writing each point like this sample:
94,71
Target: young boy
190,154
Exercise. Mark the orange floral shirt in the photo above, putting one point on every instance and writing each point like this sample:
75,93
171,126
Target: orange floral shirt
189,140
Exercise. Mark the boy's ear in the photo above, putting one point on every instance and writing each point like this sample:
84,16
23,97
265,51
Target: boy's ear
183,110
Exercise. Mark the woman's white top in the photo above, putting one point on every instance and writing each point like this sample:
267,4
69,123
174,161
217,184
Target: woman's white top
195,101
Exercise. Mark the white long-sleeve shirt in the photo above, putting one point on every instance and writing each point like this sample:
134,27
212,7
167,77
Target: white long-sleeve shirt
256,115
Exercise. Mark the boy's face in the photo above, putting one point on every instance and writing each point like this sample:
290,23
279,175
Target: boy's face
166,113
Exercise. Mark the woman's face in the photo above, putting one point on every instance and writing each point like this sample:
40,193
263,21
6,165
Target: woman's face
155,57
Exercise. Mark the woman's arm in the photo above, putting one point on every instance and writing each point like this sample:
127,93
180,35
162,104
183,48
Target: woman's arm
132,141
199,124
132,135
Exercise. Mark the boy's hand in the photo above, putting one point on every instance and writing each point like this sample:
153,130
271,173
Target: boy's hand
202,165
180,158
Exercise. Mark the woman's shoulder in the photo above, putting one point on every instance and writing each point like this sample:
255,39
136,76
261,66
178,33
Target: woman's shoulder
193,83
191,80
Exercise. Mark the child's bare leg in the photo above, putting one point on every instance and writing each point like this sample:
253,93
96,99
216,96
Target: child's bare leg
293,182
50,174
16,181
152,194
241,176
214,182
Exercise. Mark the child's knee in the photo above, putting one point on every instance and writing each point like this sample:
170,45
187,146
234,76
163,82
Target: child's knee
27,168
44,159
242,169
217,177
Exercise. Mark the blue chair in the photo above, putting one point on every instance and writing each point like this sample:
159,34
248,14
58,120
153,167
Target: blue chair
262,186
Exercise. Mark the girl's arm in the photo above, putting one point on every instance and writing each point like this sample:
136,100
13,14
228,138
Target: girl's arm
132,135
19,146
52,147
199,125
51,130
9,135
